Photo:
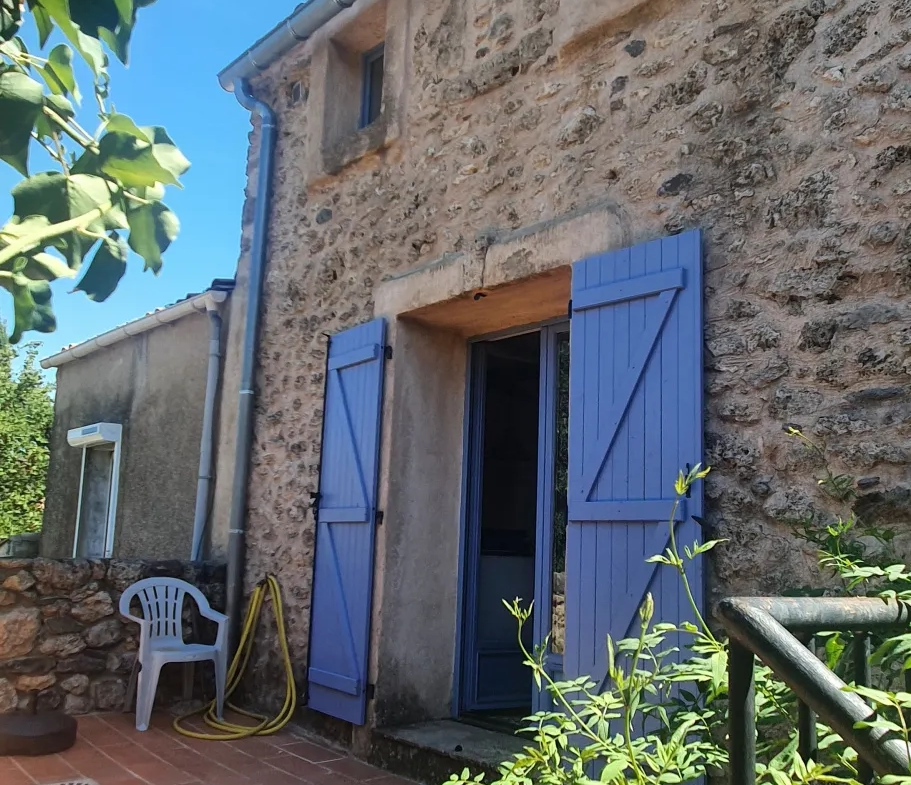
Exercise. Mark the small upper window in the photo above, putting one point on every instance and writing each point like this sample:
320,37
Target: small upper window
372,77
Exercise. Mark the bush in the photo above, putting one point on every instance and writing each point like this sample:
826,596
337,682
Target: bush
26,416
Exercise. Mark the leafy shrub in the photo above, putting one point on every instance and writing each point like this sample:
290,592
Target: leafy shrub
661,716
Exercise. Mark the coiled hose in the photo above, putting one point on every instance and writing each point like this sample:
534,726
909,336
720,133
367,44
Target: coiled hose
229,731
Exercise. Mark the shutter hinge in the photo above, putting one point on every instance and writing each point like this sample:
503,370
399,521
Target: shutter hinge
569,310
379,517
371,692
387,352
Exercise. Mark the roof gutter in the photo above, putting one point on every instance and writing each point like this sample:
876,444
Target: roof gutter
307,18
206,301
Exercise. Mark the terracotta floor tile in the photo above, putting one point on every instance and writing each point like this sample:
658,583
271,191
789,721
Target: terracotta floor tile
354,769
299,767
276,777
111,751
47,768
161,773
131,755
12,774
312,752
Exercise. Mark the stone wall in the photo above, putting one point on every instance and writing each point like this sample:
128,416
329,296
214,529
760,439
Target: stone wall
63,644
781,127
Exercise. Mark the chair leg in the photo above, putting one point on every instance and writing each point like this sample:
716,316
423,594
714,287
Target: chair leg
145,698
221,674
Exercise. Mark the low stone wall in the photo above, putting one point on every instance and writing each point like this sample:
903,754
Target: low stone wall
63,644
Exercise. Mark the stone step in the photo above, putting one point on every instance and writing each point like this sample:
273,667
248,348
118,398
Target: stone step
429,752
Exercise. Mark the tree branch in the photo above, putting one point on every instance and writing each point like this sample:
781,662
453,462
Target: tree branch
64,126
39,239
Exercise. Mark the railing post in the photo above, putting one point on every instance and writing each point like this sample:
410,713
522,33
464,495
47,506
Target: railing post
741,715
806,721
862,678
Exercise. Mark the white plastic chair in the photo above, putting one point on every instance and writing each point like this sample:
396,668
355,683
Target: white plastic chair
161,638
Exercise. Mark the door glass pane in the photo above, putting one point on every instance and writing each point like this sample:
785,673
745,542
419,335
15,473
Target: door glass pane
561,464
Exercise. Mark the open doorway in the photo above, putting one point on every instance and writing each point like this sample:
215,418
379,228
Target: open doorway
503,472
516,518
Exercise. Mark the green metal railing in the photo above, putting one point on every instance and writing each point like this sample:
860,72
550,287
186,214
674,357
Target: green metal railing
777,630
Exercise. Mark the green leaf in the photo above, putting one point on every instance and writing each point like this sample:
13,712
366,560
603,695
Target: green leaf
136,163
47,267
124,124
105,270
43,23
166,152
58,73
17,229
21,98
153,228
613,770
14,46
10,19
125,7
61,198
31,304
44,126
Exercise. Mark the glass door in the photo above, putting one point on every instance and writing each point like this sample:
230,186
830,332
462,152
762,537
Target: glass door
553,452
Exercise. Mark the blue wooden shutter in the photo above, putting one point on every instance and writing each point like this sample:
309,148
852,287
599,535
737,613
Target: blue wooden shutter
345,522
635,421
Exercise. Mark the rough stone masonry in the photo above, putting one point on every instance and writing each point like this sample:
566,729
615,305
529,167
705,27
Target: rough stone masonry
782,128
63,643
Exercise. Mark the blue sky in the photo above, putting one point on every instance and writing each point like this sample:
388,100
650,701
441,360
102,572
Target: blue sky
178,47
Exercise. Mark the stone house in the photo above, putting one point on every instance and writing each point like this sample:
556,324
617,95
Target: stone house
133,457
522,261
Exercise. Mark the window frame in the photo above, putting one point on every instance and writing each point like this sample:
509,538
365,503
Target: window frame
368,60
107,434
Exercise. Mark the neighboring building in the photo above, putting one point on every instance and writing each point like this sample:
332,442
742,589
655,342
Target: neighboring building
717,193
129,421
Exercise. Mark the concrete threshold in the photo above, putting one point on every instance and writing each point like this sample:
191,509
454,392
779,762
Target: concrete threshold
430,751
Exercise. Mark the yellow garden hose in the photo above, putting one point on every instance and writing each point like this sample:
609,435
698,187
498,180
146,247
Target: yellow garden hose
229,731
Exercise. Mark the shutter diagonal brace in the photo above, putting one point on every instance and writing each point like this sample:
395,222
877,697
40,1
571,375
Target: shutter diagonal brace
343,603
618,412
352,440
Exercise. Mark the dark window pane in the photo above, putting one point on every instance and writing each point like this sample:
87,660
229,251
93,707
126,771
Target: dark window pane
373,87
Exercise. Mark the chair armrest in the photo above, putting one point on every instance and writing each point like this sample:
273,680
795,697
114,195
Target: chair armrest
222,622
213,615
143,623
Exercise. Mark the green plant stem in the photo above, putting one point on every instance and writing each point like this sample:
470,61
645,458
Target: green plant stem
551,683
627,700
682,570
85,141
39,239
61,153
134,198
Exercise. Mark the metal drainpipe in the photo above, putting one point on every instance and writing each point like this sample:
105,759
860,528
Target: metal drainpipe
204,483
237,521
